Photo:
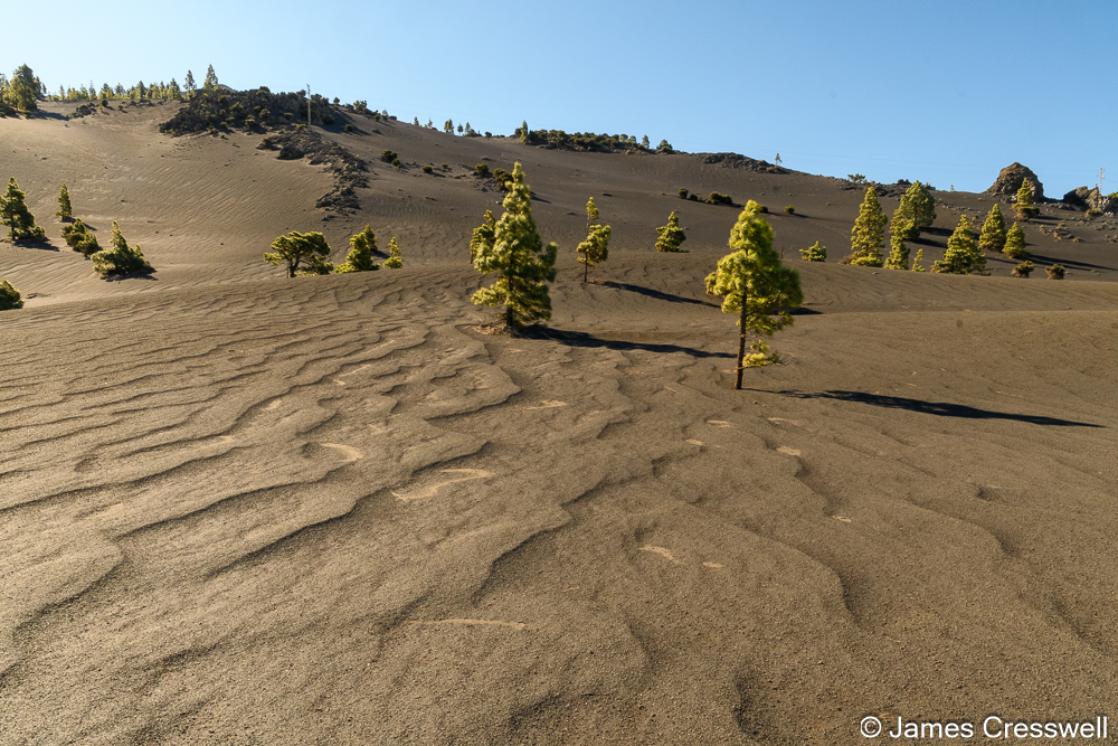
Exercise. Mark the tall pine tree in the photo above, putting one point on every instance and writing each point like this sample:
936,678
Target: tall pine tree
15,215
523,265
65,209
899,229
868,234
963,257
992,237
752,281
593,249
362,247
1014,246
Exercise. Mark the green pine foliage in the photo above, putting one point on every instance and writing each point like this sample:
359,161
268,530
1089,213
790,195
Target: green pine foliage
9,297
211,78
963,257
1023,269
868,234
918,262
15,215
23,90
1014,246
670,237
817,252
752,281
120,260
300,252
918,204
80,238
900,229
1055,272
1024,206
362,248
65,209
483,235
993,235
394,260
594,249
523,265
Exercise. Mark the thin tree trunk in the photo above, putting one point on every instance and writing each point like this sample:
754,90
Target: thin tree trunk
741,344
585,272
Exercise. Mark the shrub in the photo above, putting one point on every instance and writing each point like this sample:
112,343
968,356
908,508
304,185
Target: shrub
9,297
394,260
1024,269
683,192
718,198
670,237
428,169
79,238
120,260
300,251
389,156
817,252
790,209
362,247
1055,271
857,179
482,171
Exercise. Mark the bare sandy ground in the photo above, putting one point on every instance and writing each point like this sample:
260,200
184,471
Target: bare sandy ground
236,509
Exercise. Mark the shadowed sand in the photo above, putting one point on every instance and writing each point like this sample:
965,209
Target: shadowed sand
240,509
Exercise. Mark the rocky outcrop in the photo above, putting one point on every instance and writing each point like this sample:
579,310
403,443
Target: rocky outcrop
1010,178
1082,198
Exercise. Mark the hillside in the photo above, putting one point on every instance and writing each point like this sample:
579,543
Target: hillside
242,509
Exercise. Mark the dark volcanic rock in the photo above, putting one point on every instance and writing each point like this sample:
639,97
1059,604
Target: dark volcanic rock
349,170
1082,198
1010,178
737,160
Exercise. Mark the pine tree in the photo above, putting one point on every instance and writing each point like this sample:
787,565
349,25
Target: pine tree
394,260
918,261
79,238
523,264
448,126
993,236
594,249
670,237
1024,206
963,257
189,84
211,78
121,260
817,252
923,205
65,210
15,215
9,297
752,281
483,235
868,234
24,90
362,247
899,229
524,132
308,252
1014,246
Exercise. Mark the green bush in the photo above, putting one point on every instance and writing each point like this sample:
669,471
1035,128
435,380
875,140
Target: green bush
718,198
817,252
1024,269
683,192
79,238
790,209
9,297
121,260
305,253
1055,271
362,247
482,171
389,156
428,169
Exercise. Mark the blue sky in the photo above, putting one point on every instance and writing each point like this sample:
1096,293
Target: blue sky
945,91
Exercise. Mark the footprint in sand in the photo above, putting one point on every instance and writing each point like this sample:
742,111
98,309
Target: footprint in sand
789,451
467,475
661,551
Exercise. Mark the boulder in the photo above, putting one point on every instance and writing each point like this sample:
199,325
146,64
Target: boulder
1010,178
1082,198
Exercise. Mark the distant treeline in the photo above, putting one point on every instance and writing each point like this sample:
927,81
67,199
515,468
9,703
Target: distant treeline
592,142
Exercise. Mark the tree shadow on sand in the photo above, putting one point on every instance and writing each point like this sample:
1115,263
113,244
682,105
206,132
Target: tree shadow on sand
657,294
938,408
582,339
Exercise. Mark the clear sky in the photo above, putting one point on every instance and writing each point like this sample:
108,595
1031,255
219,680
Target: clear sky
946,91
